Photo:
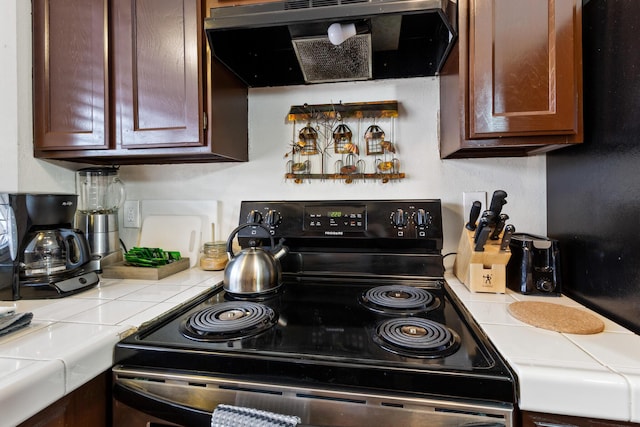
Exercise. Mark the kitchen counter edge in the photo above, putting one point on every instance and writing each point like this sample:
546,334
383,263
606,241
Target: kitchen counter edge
592,376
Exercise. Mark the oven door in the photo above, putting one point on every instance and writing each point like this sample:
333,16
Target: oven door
187,400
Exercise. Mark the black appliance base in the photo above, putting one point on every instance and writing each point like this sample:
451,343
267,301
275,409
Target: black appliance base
58,289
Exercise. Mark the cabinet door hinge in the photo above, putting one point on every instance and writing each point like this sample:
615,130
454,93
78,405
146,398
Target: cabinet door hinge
205,121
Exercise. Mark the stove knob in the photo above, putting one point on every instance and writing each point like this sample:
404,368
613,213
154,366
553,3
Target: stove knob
273,218
254,216
423,219
399,218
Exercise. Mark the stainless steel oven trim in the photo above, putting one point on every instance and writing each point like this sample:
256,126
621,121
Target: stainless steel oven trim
316,406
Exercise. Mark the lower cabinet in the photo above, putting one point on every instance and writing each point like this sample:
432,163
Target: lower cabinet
536,419
88,405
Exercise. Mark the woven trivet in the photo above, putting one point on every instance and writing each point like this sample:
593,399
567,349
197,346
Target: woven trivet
556,317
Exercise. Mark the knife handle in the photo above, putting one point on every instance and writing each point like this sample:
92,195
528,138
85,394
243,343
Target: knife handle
481,225
499,227
489,217
473,215
506,237
482,239
497,201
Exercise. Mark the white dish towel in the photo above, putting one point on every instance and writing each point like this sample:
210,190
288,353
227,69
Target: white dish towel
236,416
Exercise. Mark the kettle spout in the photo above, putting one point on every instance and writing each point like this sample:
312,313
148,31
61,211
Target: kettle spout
280,250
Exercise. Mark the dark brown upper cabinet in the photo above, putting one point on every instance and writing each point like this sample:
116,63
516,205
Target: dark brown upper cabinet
513,84
131,81
70,76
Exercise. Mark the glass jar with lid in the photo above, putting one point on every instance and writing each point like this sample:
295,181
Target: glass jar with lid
213,256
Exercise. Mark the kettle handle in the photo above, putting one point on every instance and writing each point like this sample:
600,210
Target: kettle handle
240,227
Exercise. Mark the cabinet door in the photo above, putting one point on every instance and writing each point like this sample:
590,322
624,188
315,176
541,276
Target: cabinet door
156,73
87,405
224,3
537,419
70,77
522,67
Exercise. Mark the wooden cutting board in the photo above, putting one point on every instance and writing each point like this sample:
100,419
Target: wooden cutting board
120,270
556,317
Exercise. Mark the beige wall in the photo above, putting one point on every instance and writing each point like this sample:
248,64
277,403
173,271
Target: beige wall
8,97
19,171
416,136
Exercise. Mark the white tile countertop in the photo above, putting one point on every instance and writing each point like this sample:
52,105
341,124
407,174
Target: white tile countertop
593,376
70,340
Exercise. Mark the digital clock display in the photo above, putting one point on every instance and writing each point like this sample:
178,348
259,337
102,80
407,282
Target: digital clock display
335,219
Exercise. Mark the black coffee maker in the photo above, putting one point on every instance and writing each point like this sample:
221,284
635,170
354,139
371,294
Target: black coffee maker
41,254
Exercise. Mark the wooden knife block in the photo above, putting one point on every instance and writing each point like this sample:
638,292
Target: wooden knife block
481,271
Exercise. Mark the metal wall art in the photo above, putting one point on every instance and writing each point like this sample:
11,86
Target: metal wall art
327,141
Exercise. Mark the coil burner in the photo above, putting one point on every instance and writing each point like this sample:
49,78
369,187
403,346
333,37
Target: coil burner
399,299
228,320
417,337
256,297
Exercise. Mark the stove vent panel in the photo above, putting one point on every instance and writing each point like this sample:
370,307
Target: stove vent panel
307,4
323,62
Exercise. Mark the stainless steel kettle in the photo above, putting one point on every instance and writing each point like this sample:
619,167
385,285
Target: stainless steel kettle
253,270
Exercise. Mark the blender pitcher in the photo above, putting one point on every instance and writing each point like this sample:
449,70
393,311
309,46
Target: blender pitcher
100,190
100,195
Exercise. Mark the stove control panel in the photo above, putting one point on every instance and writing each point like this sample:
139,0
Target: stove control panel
335,219
359,219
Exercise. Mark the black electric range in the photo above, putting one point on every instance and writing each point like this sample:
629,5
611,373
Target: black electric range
363,311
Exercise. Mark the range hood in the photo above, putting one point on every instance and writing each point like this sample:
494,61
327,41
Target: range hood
283,43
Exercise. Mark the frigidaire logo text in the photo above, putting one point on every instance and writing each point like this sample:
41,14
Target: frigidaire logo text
333,233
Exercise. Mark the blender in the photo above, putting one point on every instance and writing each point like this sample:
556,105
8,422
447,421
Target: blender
100,195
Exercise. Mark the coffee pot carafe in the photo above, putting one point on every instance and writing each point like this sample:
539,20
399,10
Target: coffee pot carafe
54,252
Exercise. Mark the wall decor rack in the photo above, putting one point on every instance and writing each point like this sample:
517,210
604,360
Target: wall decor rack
343,141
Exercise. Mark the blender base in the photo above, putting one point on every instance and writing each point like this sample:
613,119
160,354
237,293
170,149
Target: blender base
101,231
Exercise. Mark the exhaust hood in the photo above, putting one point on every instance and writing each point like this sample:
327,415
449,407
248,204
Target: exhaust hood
282,43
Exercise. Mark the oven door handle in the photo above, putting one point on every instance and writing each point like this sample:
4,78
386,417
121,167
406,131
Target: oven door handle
163,408
160,408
